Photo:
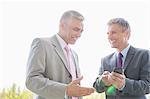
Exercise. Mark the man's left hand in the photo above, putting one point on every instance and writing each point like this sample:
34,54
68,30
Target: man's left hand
118,80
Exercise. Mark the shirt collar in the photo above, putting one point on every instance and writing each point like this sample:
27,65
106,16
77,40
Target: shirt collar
124,51
61,41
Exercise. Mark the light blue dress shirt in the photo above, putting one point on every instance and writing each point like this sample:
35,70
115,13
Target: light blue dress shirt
124,53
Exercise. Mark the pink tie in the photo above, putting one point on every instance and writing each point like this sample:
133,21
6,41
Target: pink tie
71,64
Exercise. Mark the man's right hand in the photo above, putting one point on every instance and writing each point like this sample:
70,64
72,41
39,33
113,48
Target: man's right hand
75,90
106,78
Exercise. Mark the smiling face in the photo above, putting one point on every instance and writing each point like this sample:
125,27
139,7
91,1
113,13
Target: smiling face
71,30
117,37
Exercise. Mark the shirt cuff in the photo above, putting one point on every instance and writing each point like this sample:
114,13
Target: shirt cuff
122,88
66,96
101,82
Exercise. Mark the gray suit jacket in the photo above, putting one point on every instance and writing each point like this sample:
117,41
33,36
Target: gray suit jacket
136,70
47,70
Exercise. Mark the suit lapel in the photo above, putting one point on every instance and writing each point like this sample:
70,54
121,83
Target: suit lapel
59,51
129,56
76,64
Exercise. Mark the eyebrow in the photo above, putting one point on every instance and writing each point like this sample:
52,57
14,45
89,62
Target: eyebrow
77,29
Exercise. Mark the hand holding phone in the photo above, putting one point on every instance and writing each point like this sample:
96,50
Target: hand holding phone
119,70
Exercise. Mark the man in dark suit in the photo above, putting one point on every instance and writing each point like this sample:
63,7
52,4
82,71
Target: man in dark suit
132,79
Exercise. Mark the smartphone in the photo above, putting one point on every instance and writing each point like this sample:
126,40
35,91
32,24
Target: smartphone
119,70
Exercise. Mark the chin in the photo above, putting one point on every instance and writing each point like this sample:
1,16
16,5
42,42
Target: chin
72,43
113,46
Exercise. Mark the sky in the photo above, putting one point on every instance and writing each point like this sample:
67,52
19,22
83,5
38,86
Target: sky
22,21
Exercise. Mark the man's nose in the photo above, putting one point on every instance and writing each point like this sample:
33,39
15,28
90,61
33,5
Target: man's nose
109,35
78,34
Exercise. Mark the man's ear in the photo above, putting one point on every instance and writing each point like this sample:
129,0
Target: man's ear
61,25
128,35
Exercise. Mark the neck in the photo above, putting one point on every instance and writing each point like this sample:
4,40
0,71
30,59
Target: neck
63,37
121,48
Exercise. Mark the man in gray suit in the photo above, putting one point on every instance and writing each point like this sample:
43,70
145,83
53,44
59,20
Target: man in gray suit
132,79
49,73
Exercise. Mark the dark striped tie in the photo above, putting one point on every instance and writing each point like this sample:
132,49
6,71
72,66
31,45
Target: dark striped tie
119,64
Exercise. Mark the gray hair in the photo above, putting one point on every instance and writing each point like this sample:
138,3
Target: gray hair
72,14
122,22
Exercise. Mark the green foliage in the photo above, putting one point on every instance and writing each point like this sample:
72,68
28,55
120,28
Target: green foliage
14,92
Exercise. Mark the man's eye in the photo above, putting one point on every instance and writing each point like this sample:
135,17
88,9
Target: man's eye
77,29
